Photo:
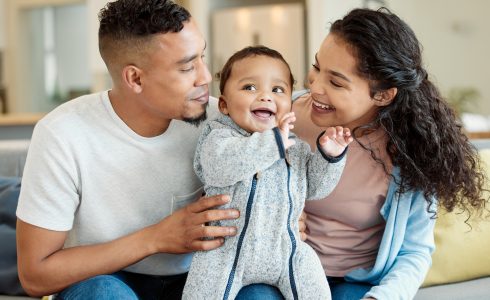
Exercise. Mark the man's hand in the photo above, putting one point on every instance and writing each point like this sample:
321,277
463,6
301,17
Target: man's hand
286,124
185,231
335,140
302,226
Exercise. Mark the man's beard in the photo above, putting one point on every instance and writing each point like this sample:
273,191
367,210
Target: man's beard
196,121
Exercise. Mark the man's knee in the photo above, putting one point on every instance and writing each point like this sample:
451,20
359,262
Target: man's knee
104,287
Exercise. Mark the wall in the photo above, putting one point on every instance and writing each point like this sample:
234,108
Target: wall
245,27
456,42
2,38
320,14
64,69
73,55
100,76
2,24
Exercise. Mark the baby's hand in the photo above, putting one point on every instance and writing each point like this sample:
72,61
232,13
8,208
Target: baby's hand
335,140
286,124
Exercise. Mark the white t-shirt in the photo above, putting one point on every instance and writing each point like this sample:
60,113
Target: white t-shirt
88,173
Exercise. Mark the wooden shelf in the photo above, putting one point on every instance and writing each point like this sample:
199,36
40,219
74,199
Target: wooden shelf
478,135
20,119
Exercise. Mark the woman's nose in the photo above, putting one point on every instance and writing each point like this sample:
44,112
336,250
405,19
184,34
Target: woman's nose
315,85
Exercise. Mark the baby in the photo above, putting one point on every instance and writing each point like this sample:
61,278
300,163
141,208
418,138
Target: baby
248,153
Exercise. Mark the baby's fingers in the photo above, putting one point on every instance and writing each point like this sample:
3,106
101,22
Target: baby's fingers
343,136
286,120
330,133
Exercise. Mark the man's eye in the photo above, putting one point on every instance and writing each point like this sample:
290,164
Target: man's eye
278,90
335,84
187,69
250,87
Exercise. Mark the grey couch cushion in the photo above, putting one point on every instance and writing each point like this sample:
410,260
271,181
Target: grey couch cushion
478,289
9,193
13,157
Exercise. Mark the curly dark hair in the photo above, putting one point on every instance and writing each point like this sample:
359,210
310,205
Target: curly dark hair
250,51
426,140
125,25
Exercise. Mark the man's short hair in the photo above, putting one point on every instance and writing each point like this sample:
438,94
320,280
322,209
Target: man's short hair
128,26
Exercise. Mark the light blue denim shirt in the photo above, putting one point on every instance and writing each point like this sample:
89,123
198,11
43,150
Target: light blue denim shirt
404,256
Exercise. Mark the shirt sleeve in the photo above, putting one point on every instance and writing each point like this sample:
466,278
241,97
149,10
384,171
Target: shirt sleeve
413,261
49,192
226,158
323,172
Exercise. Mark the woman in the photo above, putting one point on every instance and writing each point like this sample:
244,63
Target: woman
374,232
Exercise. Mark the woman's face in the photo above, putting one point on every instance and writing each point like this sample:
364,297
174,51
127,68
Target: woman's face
340,96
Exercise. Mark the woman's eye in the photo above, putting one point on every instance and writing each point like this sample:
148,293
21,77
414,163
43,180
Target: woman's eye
335,84
278,90
250,87
316,67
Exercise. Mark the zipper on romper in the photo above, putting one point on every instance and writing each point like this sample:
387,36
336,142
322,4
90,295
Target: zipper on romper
293,240
241,237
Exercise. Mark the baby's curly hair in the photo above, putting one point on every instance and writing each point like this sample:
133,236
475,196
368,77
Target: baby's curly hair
127,26
425,139
250,51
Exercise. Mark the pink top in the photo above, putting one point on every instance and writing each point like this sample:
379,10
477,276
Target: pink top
345,229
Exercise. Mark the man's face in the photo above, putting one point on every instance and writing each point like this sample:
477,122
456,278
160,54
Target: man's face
175,78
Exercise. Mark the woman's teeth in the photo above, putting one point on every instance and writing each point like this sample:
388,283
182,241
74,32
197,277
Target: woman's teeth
322,106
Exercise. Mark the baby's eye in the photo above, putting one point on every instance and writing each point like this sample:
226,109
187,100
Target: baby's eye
250,87
316,66
277,89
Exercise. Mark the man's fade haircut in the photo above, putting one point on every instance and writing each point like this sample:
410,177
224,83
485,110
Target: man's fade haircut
260,50
126,25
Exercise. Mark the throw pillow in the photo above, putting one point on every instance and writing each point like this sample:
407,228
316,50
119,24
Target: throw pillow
461,251
9,194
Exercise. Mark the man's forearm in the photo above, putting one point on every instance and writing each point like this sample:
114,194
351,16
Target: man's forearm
48,275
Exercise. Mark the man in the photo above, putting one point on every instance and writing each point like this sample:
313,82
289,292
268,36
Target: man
109,177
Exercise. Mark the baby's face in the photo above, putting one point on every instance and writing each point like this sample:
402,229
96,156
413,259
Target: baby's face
257,93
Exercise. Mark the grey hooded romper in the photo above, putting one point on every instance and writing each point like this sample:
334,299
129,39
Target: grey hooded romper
269,187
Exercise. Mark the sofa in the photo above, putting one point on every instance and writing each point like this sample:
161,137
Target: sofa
461,262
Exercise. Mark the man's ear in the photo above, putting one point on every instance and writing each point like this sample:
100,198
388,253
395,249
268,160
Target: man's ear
223,107
384,98
131,76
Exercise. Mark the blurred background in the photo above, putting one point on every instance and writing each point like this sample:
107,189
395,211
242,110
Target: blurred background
49,54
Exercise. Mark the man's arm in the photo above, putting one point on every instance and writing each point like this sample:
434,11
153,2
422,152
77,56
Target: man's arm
46,268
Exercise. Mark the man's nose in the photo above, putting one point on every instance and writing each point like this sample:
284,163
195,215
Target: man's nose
204,76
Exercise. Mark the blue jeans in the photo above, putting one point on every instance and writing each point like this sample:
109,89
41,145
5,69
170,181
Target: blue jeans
131,286
342,290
